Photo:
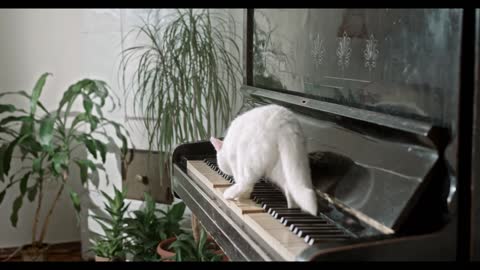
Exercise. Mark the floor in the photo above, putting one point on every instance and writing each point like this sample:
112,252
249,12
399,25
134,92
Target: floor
65,252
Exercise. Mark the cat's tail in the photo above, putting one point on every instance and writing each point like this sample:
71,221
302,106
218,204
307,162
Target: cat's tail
296,169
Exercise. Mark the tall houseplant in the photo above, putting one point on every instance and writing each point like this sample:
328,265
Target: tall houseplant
47,139
185,77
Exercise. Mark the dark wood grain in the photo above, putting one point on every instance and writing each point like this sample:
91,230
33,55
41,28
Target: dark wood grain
62,252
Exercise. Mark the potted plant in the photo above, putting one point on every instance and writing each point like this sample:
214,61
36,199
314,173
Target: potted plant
145,230
47,139
112,246
185,83
185,248
170,224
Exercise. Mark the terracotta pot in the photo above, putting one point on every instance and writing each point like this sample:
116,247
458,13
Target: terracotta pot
162,249
34,253
224,258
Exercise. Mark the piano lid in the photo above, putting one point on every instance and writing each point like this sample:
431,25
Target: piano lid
374,99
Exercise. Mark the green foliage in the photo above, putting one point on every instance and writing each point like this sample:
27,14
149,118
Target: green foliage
113,243
47,140
184,78
171,219
186,249
147,228
145,231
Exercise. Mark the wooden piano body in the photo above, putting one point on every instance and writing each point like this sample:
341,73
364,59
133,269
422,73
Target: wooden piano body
386,180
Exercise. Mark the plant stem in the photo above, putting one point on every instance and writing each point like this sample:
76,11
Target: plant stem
37,212
47,219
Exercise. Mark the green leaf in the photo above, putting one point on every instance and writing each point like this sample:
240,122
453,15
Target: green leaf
3,149
30,145
23,183
32,192
84,164
37,164
46,130
91,146
7,155
102,148
79,118
37,91
87,105
178,210
93,120
59,161
2,195
27,125
76,200
7,108
17,204
83,171
12,118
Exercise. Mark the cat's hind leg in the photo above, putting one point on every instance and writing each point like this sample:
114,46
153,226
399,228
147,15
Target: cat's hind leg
238,191
243,186
290,201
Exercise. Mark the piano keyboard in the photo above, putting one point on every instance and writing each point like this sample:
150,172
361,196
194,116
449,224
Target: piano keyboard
291,230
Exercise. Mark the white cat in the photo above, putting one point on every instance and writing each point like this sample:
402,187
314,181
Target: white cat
267,142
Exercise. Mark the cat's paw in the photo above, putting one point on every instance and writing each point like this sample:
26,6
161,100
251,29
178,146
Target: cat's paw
230,193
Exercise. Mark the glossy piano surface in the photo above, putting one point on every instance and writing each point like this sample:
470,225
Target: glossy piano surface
402,62
376,93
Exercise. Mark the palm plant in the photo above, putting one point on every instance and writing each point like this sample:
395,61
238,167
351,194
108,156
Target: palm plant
184,78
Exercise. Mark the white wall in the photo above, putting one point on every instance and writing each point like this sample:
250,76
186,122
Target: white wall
33,42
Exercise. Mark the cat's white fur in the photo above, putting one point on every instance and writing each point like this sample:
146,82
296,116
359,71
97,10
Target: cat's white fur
267,142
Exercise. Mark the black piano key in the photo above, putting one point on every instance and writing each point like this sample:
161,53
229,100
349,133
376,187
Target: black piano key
266,189
267,193
274,210
320,231
291,212
312,239
269,206
279,213
267,198
271,199
292,220
270,203
295,228
286,215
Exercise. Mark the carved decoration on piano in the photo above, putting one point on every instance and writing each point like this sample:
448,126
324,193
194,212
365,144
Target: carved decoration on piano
344,50
318,50
371,53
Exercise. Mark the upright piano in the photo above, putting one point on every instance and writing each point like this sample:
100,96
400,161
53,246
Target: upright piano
378,95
